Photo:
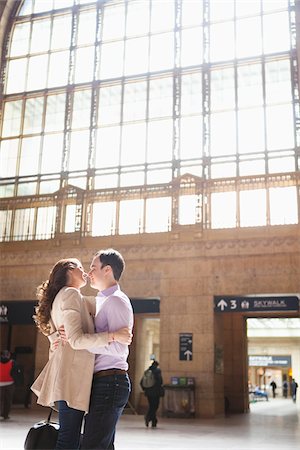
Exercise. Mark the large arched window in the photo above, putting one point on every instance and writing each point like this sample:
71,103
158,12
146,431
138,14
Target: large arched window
115,94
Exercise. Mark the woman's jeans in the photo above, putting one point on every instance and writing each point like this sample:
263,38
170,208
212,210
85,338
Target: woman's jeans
70,421
109,396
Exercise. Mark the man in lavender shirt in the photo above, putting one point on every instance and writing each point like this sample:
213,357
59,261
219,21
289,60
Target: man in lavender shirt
111,385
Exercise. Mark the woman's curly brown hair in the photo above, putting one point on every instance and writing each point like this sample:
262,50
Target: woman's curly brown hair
47,291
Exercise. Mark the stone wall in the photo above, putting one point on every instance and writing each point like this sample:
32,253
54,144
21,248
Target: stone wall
185,269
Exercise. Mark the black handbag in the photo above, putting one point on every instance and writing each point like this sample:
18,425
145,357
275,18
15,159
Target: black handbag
42,436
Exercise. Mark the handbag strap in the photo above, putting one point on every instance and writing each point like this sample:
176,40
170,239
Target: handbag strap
50,414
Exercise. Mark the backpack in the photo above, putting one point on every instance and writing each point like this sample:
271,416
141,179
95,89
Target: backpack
148,379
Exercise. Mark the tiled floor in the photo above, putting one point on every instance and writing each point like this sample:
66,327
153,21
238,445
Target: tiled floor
270,425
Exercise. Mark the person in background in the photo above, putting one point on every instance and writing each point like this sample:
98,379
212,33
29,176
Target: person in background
294,387
6,383
273,386
153,394
285,388
111,385
67,377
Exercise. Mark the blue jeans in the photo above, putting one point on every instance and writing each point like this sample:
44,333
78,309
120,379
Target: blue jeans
70,421
109,396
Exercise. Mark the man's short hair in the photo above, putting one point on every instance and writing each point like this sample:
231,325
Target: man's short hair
114,259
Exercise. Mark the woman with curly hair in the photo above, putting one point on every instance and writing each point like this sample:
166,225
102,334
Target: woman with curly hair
67,377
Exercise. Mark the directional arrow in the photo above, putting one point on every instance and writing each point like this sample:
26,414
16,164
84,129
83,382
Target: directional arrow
222,304
188,354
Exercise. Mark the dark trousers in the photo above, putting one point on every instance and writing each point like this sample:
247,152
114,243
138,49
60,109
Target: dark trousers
70,421
6,396
153,404
109,396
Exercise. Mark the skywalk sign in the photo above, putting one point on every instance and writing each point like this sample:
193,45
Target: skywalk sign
256,304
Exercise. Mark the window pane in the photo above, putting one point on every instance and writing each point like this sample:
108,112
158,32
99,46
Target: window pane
111,64
247,7
102,181
109,105
61,32
104,219
26,8
137,18
5,225
58,69
254,167
40,36
45,5
20,39
86,28
113,22
279,41
223,136
79,150
26,189
135,97
222,42
48,187
133,144
81,109
70,219
23,224
159,176
253,208
131,216
191,93
132,179
16,76
12,118
158,214
45,225
37,72
161,97
278,82
187,209
84,65
162,51
223,170
55,112
273,5
283,205
223,210
33,115
222,89
7,190
250,91
52,153
223,10
160,141
251,130
191,39
246,47
29,162
192,13
191,137
280,127
162,16
136,64
8,158
108,147
277,165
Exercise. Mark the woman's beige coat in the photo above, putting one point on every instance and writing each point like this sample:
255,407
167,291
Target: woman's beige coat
69,371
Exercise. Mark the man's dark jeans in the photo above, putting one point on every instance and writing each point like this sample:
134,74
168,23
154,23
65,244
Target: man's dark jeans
70,421
109,396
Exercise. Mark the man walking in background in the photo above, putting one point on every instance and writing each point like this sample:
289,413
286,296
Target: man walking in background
111,385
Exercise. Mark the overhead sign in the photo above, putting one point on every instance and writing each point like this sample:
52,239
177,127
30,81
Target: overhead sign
185,346
270,361
260,304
